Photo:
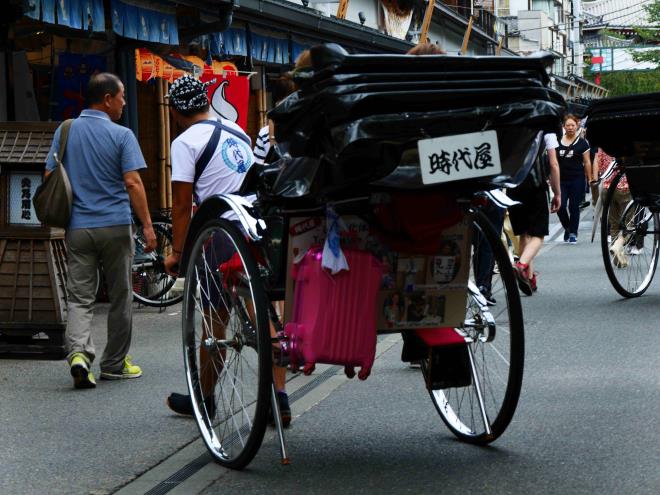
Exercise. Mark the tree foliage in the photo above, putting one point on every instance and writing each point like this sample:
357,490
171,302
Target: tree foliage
627,82
650,35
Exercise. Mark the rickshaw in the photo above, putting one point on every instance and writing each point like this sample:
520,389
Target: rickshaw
353,142
627,128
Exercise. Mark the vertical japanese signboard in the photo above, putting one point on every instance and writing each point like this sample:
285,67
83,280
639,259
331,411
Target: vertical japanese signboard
22,186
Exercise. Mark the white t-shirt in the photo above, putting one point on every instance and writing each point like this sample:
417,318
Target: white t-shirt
226,170
551,141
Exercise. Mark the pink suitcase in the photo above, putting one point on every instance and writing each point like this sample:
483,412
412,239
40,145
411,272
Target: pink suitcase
334,316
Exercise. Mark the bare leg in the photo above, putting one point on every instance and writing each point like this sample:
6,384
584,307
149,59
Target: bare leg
529,248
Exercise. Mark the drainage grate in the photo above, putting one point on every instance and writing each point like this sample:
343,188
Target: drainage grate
181,475
195,465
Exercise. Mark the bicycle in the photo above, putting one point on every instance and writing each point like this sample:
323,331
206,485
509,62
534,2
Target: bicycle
152,286
626,128
630,240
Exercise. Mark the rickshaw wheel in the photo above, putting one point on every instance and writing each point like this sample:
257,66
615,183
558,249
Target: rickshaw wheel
629,242
480,412
226,344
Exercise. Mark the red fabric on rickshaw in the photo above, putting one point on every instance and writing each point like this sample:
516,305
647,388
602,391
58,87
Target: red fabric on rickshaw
441,336
234,264
413,222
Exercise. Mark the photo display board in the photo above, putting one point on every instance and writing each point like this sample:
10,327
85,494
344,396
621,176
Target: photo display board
417,291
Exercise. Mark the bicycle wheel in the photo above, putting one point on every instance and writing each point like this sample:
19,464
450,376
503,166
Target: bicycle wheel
226,344
480,411
629,242
151,284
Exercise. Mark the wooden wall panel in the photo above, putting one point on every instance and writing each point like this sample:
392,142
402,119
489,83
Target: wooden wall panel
148,138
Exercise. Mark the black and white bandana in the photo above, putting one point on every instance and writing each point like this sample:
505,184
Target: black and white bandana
187,93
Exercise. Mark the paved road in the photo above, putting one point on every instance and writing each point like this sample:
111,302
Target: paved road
54,439
587,421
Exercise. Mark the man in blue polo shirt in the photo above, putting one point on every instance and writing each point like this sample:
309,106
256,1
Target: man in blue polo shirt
102,160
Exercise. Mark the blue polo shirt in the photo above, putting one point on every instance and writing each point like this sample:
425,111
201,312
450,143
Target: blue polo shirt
98,154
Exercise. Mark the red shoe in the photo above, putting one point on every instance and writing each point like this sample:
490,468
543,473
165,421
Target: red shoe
522,275
532,282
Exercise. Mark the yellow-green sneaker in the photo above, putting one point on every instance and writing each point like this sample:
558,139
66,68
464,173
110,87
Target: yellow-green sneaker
82,376
129,370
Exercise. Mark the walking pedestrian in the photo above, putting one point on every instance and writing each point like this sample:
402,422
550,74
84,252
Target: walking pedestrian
574,165
102,161
189,106
530,219
484,260
620,199
280,89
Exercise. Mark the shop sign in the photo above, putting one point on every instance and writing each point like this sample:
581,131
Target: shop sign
22,187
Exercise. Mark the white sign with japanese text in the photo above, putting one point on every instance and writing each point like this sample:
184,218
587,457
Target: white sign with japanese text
22,186
459,157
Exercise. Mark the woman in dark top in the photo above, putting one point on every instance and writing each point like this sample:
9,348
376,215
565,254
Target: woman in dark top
574,164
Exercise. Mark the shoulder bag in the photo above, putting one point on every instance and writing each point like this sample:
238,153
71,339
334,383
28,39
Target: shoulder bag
53,199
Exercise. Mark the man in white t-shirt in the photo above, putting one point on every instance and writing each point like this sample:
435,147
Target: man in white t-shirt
227,155
227,163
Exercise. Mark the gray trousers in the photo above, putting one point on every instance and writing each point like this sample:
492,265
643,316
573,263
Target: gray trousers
114,247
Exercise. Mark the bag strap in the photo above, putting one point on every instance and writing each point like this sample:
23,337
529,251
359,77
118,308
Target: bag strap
207,154
64,137
219,125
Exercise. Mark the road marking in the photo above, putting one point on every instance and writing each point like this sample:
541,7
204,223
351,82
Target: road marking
187,471
552,239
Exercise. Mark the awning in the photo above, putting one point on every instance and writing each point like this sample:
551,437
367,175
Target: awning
269,46
87,15
140,23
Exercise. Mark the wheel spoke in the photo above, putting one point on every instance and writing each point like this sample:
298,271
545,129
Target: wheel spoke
481,411
151,284
629,243
224,344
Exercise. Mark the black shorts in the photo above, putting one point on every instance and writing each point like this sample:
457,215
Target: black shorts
532,216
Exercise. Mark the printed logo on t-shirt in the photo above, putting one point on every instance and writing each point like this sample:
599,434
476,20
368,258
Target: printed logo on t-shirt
566,153
235,155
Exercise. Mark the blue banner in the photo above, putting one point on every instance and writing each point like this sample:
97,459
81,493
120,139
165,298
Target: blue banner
48,11
64,12
117,13
76,14
144,19
32,8
131,22
269,46
234,42
215,44
92,15
143,24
